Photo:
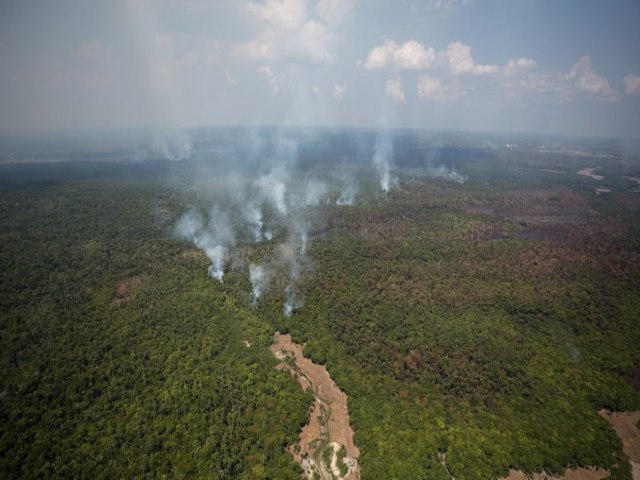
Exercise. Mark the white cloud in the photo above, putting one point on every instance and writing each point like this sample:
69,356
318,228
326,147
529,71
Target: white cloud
431,88
515,66
265,70
461,62
287,14
631,84
314,38
411,55
394,89
448,5
260,48
335,11
274,80
587,80
287,33
380,57
339,90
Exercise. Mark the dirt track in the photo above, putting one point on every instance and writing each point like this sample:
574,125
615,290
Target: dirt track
328,426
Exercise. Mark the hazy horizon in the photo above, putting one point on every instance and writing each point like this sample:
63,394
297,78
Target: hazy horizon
524,67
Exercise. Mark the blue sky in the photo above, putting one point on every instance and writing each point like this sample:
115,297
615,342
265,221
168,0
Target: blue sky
563,67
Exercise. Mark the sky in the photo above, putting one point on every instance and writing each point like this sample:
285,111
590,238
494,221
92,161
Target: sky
568,67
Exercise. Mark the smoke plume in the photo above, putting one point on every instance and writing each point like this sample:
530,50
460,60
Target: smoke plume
382,157
259,281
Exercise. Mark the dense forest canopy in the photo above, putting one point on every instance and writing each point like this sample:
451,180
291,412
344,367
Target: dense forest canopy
474,297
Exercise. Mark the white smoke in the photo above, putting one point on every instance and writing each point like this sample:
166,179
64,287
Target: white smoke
216,255
259,278
189,225
274,190
289,302
172,145
348,188
382,157
291,255
442,171
348,195
315,193
214,239
304,238
271,204
253,216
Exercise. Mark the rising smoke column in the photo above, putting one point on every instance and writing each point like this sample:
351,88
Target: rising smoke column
382,157
215,239
289,301
291,255
259,278
275,192
253,216
171,144
442,171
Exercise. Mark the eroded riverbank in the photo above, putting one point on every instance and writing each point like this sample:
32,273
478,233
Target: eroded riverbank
325,447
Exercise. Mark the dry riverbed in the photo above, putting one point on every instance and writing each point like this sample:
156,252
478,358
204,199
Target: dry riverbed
325,448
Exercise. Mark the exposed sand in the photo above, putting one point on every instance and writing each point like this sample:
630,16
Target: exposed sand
328,425
624,424
588,172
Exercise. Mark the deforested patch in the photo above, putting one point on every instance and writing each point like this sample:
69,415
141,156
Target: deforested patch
325,448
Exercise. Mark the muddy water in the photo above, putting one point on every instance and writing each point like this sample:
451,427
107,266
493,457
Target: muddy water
328,429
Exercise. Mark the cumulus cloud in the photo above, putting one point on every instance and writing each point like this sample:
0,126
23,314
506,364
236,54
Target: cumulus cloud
314,37
394,89
411,55
432,89
335,11
339,90
449,5
631,84
274,80
587,80
287,32
461,62
515,66
380,57
287,14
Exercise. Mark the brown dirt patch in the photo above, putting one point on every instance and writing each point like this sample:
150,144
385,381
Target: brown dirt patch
126,288
624,424
569,474
328,415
